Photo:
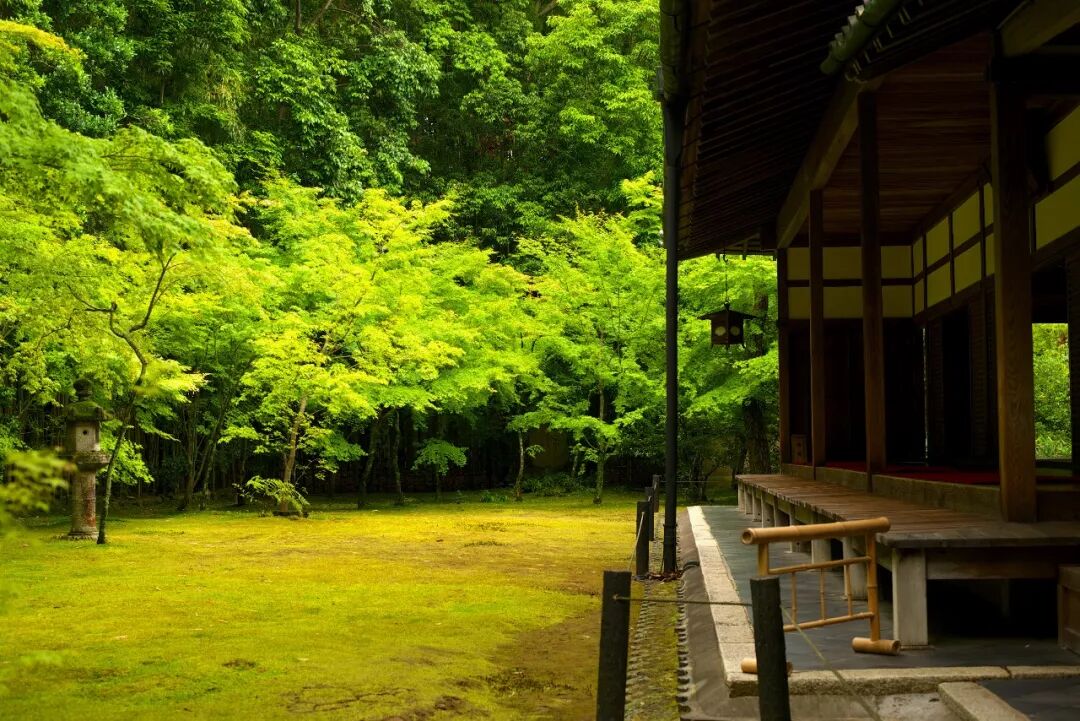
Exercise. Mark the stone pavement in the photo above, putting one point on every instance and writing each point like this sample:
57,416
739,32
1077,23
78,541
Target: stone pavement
1046,699
704,694
691,639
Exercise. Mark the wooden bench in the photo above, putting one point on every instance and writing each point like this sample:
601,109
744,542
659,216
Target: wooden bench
923,543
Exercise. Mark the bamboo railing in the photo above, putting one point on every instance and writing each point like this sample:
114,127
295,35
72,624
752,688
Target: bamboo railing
867,529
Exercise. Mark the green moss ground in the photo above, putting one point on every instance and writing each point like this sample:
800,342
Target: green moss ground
433,611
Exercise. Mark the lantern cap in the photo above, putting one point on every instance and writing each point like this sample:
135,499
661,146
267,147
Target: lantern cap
84,409
726,312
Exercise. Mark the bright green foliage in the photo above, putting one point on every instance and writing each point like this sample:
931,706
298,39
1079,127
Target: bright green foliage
603,297
729,395
271,330
523,110
1053,419
285,496
31,479
438,455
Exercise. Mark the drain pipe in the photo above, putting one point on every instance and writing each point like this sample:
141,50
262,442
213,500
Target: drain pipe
674,114
674,25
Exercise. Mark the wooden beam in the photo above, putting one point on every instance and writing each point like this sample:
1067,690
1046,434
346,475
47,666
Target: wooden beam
831,139
873,331
1036,24
783,349
1012,304
817,329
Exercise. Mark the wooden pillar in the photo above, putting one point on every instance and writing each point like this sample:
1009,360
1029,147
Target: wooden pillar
783,346
817,330
1012,303
1073,304
873,331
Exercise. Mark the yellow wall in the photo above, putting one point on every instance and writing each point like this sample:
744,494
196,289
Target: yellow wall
938,286
1058,213
843,302
798,263
937,242
967,268
1063,145
896,261
842,263
896,301
966,220
799,303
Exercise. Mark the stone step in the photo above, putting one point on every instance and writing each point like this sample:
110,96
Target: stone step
972,702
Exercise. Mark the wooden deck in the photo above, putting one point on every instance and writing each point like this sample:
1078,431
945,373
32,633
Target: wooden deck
913,525
924,543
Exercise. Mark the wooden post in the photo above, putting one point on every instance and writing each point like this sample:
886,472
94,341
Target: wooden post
783,345
817,330
641,539
1012,304
1073,304
614,647
650,524
873,332
770,650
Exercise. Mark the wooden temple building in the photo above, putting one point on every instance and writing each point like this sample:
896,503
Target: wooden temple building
914,167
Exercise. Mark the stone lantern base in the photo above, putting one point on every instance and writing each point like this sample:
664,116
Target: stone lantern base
83,506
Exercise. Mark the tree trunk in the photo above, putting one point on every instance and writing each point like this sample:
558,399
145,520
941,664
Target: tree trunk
369,464
601,460
757,442
601,453
294,441
395,450
521,465
104,514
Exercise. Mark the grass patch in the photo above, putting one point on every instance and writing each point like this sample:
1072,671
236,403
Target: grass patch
430,611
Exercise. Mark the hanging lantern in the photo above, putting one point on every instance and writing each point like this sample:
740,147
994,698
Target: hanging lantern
727,326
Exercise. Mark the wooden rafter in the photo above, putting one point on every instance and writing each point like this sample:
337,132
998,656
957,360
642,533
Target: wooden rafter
1036,23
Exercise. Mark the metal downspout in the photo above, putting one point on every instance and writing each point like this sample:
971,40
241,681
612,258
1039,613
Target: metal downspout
674,115
674,34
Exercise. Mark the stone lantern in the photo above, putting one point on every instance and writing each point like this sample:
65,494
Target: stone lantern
82,446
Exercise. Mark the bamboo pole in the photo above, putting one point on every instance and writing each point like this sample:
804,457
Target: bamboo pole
867,526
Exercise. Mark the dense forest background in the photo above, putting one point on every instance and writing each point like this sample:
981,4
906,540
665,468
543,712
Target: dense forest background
340,246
